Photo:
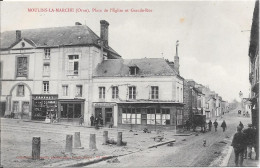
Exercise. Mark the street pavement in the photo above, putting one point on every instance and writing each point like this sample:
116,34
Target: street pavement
16,138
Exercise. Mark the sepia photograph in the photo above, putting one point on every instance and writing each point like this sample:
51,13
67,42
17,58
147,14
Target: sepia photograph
129,83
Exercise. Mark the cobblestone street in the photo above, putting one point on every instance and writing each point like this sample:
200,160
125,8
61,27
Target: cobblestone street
186,151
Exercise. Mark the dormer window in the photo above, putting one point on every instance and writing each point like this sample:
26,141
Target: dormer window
133,70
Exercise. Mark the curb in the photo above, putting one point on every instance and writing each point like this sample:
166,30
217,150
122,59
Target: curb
160,144
79,163
227,158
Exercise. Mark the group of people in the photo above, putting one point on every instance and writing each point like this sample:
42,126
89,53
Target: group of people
95,121
223,125
243,142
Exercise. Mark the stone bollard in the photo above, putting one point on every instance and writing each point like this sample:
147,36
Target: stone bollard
68,148
119,139
92,141
105,137
77,142
36,148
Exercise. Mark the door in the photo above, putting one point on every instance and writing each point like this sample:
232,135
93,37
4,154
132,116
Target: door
108,115
98,114
25,110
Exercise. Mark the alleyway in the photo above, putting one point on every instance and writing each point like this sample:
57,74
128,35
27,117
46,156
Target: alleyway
16,137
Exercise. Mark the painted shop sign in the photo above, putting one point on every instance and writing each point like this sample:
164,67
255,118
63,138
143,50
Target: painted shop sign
45,97
104,104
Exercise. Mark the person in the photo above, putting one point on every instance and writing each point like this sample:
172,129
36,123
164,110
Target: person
215,125
111,122
96,122
241,125
92,120
224,125
210,125
249,140
81,120
238,144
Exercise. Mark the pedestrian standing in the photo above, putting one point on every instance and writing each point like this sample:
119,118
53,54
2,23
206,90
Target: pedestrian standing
81,120
92,120
215,125
241,125
249,140
224,125
210,125
238,144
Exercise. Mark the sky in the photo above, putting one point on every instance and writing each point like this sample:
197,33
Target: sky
213,35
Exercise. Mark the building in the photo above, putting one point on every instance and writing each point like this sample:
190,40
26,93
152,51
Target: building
254,71
138,93
48,72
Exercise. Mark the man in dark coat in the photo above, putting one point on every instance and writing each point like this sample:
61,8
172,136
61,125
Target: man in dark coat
238,144
92,120
215,125
224,125
210,125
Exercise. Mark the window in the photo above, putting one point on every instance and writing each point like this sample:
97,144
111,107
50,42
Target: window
181,94
46,69
45,86
207,105
114,92
47,53
102,92
78,90
22,67
73,67
65,89
20,90
133,70
155,92
132,92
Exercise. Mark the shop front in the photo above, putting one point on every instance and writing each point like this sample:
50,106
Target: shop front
150,115
44,107
105,113
70,110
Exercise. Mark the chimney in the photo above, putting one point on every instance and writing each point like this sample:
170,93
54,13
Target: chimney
77,23
18,35
104,32
176,59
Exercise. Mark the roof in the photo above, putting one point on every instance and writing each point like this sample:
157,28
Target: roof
146,67
53,37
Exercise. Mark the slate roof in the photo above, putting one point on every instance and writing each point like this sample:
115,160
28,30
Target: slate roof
147,67
53,37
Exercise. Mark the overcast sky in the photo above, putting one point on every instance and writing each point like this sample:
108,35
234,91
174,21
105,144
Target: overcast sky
213,35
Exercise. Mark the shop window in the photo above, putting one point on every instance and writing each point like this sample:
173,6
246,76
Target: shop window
138,116
151,116
114,92
73,65
20,90
22,67
15,106
77,111
45,86
65,89
63,110
155,92
132,92
47,53
102,92
46,69
79,91
166,117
